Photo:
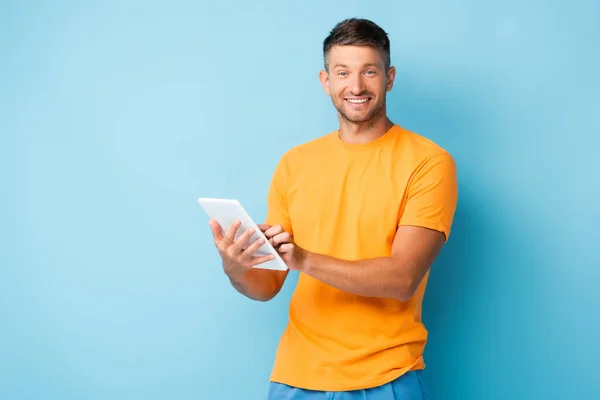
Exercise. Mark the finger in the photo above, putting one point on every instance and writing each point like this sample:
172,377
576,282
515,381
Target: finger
230,234
284,237
274,230
254,246
216,230
241,242
286,247
261,259
263,227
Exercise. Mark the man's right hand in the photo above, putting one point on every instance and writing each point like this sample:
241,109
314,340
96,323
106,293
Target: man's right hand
238,255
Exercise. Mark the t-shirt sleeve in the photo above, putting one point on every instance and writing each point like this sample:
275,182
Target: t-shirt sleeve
277,201
432,195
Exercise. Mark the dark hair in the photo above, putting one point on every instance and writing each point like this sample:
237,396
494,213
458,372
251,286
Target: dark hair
358,32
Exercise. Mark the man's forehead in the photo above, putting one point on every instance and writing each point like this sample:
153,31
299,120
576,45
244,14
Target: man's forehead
352,55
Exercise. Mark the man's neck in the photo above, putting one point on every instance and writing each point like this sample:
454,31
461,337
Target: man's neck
364,132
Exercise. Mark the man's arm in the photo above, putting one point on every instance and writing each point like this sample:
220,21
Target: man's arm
397,276
424,226
239,262
260,284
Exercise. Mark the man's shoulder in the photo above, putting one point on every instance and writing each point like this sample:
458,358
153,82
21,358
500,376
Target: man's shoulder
421,147
422,143
309,148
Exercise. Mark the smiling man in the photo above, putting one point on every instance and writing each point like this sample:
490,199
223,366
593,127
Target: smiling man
362,213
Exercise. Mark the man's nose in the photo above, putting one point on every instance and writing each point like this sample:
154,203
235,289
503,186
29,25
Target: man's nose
357,85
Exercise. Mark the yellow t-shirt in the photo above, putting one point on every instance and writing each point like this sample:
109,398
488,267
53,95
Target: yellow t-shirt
346,201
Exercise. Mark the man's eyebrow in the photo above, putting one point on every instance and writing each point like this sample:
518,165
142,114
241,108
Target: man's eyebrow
364,66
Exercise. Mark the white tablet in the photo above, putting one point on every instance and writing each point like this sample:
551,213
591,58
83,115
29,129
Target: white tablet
225,211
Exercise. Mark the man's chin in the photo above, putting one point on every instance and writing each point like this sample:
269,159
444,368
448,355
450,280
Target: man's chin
358,118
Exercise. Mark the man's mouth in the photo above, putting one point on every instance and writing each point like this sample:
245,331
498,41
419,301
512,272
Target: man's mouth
357,100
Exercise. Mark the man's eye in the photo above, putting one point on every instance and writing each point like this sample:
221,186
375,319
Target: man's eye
370,72
341,73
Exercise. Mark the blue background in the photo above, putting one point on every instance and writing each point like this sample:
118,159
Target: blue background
115,118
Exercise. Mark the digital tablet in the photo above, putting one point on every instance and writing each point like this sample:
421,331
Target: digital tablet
225,211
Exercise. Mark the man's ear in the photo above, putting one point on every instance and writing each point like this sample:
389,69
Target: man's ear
391,76
324,78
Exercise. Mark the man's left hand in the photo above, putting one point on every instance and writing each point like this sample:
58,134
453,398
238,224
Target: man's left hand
293,255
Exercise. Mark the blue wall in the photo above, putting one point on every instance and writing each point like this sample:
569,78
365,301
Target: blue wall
115,118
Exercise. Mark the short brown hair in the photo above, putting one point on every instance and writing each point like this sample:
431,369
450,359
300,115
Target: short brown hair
358,32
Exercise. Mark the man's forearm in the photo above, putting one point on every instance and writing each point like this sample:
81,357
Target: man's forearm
258,284
378,277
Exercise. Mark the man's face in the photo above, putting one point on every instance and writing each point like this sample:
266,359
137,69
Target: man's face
357,82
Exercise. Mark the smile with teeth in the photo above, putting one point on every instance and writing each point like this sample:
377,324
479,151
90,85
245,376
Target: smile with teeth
357,101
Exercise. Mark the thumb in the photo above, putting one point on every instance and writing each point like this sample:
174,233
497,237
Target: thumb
216,230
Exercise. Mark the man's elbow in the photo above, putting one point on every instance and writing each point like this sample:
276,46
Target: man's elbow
404,294
405,290
270,293
263,298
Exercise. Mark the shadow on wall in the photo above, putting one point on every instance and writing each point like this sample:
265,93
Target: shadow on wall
446,313
452,120
486,306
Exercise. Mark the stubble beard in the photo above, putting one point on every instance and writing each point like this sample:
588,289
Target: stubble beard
368,120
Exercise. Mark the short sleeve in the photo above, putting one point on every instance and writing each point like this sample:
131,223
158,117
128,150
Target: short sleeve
277,200
432,195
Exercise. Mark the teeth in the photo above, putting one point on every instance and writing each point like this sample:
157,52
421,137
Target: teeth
357,101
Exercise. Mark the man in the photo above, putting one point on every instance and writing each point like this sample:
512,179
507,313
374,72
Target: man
361,213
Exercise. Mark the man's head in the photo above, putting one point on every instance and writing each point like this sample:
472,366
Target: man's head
357,71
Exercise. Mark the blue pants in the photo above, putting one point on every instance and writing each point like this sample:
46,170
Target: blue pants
410,386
